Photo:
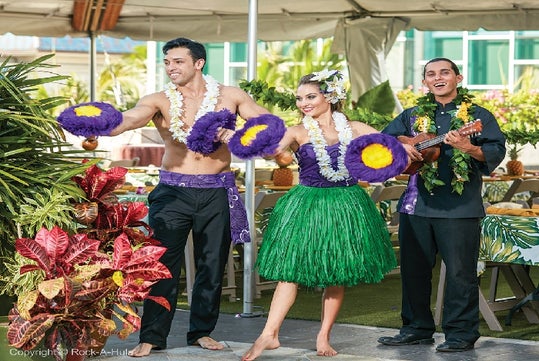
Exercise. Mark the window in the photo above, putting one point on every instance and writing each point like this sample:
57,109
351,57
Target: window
527,45
235,62
488,61
443,44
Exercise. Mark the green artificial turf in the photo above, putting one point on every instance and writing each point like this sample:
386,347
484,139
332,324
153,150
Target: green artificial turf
380,304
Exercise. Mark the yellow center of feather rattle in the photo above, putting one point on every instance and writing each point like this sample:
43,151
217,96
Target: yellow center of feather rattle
250,134
87,111
376,156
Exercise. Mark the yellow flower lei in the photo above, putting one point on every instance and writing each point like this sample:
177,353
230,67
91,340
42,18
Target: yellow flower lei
424,114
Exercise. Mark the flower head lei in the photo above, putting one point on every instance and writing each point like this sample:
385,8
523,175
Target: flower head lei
331,84
320,144
176,106
424,114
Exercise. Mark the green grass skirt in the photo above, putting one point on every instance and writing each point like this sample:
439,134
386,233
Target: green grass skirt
321,237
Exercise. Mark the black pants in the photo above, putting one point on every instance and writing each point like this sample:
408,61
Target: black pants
174,212
457,241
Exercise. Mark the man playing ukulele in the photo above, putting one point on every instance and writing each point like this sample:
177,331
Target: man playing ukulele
441,209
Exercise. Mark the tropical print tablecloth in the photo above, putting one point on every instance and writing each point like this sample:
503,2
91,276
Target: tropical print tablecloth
510,239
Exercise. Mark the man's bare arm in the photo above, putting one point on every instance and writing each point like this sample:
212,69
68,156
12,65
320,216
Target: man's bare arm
247,107
138,116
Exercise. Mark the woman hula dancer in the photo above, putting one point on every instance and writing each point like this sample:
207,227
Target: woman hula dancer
325,232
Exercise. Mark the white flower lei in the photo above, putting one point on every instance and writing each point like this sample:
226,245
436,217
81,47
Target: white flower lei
176,106
320,144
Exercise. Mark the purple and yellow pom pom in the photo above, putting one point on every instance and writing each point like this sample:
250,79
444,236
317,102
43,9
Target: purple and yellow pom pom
375,157
90,119
258,138
201,138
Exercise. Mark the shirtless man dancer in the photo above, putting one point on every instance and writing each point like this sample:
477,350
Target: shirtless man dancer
192,193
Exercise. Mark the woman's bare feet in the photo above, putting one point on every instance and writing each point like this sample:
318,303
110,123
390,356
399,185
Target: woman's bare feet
141,350
323,348
209,343
264,342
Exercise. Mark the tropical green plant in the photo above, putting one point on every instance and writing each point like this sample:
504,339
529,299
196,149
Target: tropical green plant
269,95
46,209
375,107
270,62
284,63
34,157
119,82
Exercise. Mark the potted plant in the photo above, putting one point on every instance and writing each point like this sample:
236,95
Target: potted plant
89,278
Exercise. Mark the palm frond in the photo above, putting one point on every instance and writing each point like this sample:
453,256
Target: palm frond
35,159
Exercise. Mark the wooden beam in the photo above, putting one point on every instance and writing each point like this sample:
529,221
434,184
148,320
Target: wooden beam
111,14
81,14
96,15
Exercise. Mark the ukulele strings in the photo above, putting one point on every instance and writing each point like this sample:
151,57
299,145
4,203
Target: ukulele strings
438,139
429,143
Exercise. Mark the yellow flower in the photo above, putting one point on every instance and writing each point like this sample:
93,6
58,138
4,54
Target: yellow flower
376,156
88,111
251,133
423,124
463,111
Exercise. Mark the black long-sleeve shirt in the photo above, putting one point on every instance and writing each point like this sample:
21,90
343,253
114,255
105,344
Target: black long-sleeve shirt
443,202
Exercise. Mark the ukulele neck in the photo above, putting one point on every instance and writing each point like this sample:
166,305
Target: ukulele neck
429,142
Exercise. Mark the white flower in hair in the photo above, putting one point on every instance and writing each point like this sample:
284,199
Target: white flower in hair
323,74
331,84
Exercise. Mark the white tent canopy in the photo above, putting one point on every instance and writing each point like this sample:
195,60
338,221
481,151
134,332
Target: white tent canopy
364,29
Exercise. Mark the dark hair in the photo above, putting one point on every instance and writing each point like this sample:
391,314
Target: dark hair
196,49
453,65
306,79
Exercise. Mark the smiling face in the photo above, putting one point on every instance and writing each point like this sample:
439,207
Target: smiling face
441,80
180,65
311,101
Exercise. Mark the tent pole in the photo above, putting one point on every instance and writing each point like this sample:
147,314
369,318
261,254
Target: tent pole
93,67
250,248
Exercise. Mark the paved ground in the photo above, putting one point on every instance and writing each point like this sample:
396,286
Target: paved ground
298,339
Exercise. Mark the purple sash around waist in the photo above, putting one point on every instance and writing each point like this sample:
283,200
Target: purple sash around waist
409,199
239,226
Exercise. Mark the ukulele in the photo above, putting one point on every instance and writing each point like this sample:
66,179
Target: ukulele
429,144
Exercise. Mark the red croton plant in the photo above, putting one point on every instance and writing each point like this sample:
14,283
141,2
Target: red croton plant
104,216
90,278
